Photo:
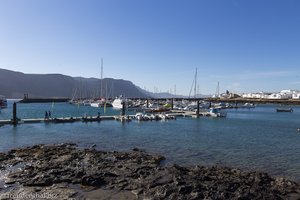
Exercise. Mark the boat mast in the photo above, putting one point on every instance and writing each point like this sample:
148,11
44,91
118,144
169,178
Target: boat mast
194,84
175,90
218,90
195,87
101,80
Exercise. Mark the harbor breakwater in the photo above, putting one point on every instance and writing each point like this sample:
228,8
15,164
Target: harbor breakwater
43,100
65,172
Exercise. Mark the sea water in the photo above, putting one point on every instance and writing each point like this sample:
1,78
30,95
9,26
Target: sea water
251,139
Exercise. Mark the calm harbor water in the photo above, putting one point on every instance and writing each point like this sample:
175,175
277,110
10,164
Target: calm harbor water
252,139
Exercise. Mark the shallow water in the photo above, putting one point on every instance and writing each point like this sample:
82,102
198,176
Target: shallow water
254,139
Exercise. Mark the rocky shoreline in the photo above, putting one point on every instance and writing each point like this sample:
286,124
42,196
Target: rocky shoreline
66,172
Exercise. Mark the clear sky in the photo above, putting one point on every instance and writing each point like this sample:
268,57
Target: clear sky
246,45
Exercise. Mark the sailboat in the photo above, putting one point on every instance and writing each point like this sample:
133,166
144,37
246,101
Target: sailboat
118,102
100,102
194,85
217,95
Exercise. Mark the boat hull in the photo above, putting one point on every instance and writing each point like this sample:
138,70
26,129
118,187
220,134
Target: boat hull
284,110
119,102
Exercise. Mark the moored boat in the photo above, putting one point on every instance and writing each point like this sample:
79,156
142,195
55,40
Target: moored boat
118,102
284,110
248,105
97,104
101,103
157,110
123,118
63,120
216,112
91,119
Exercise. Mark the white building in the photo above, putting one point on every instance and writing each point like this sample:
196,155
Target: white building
287,94
283,94
258,95
275,96
296,95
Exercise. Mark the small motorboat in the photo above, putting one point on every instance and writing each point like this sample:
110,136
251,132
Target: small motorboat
248,105
284,110
91,119
123,118
216,112
64,120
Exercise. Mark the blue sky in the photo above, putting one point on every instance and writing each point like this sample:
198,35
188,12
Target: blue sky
246,45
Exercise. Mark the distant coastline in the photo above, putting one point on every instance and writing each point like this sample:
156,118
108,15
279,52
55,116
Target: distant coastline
239,100
257,101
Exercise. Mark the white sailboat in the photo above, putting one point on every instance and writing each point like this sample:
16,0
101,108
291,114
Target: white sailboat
99,103
194,85
118,102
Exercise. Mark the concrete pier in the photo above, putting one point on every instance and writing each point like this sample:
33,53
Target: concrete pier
57,120
122,117
172,113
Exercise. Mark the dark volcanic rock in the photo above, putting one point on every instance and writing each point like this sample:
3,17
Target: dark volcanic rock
2,157
93,180
45,166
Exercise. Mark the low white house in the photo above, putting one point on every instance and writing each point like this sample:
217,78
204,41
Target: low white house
296,95
283,94
279,96
258,95
275,96
247,95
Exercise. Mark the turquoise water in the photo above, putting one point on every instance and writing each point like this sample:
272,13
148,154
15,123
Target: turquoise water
37,110
252,139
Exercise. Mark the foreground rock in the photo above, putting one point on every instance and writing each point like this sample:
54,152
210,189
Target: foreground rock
65,172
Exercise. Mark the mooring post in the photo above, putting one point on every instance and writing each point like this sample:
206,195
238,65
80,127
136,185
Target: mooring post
147,103
236,104
123,108
15,119
172,104
198,108
209,104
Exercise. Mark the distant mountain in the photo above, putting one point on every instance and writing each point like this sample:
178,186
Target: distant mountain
164,95
169,95
16,84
